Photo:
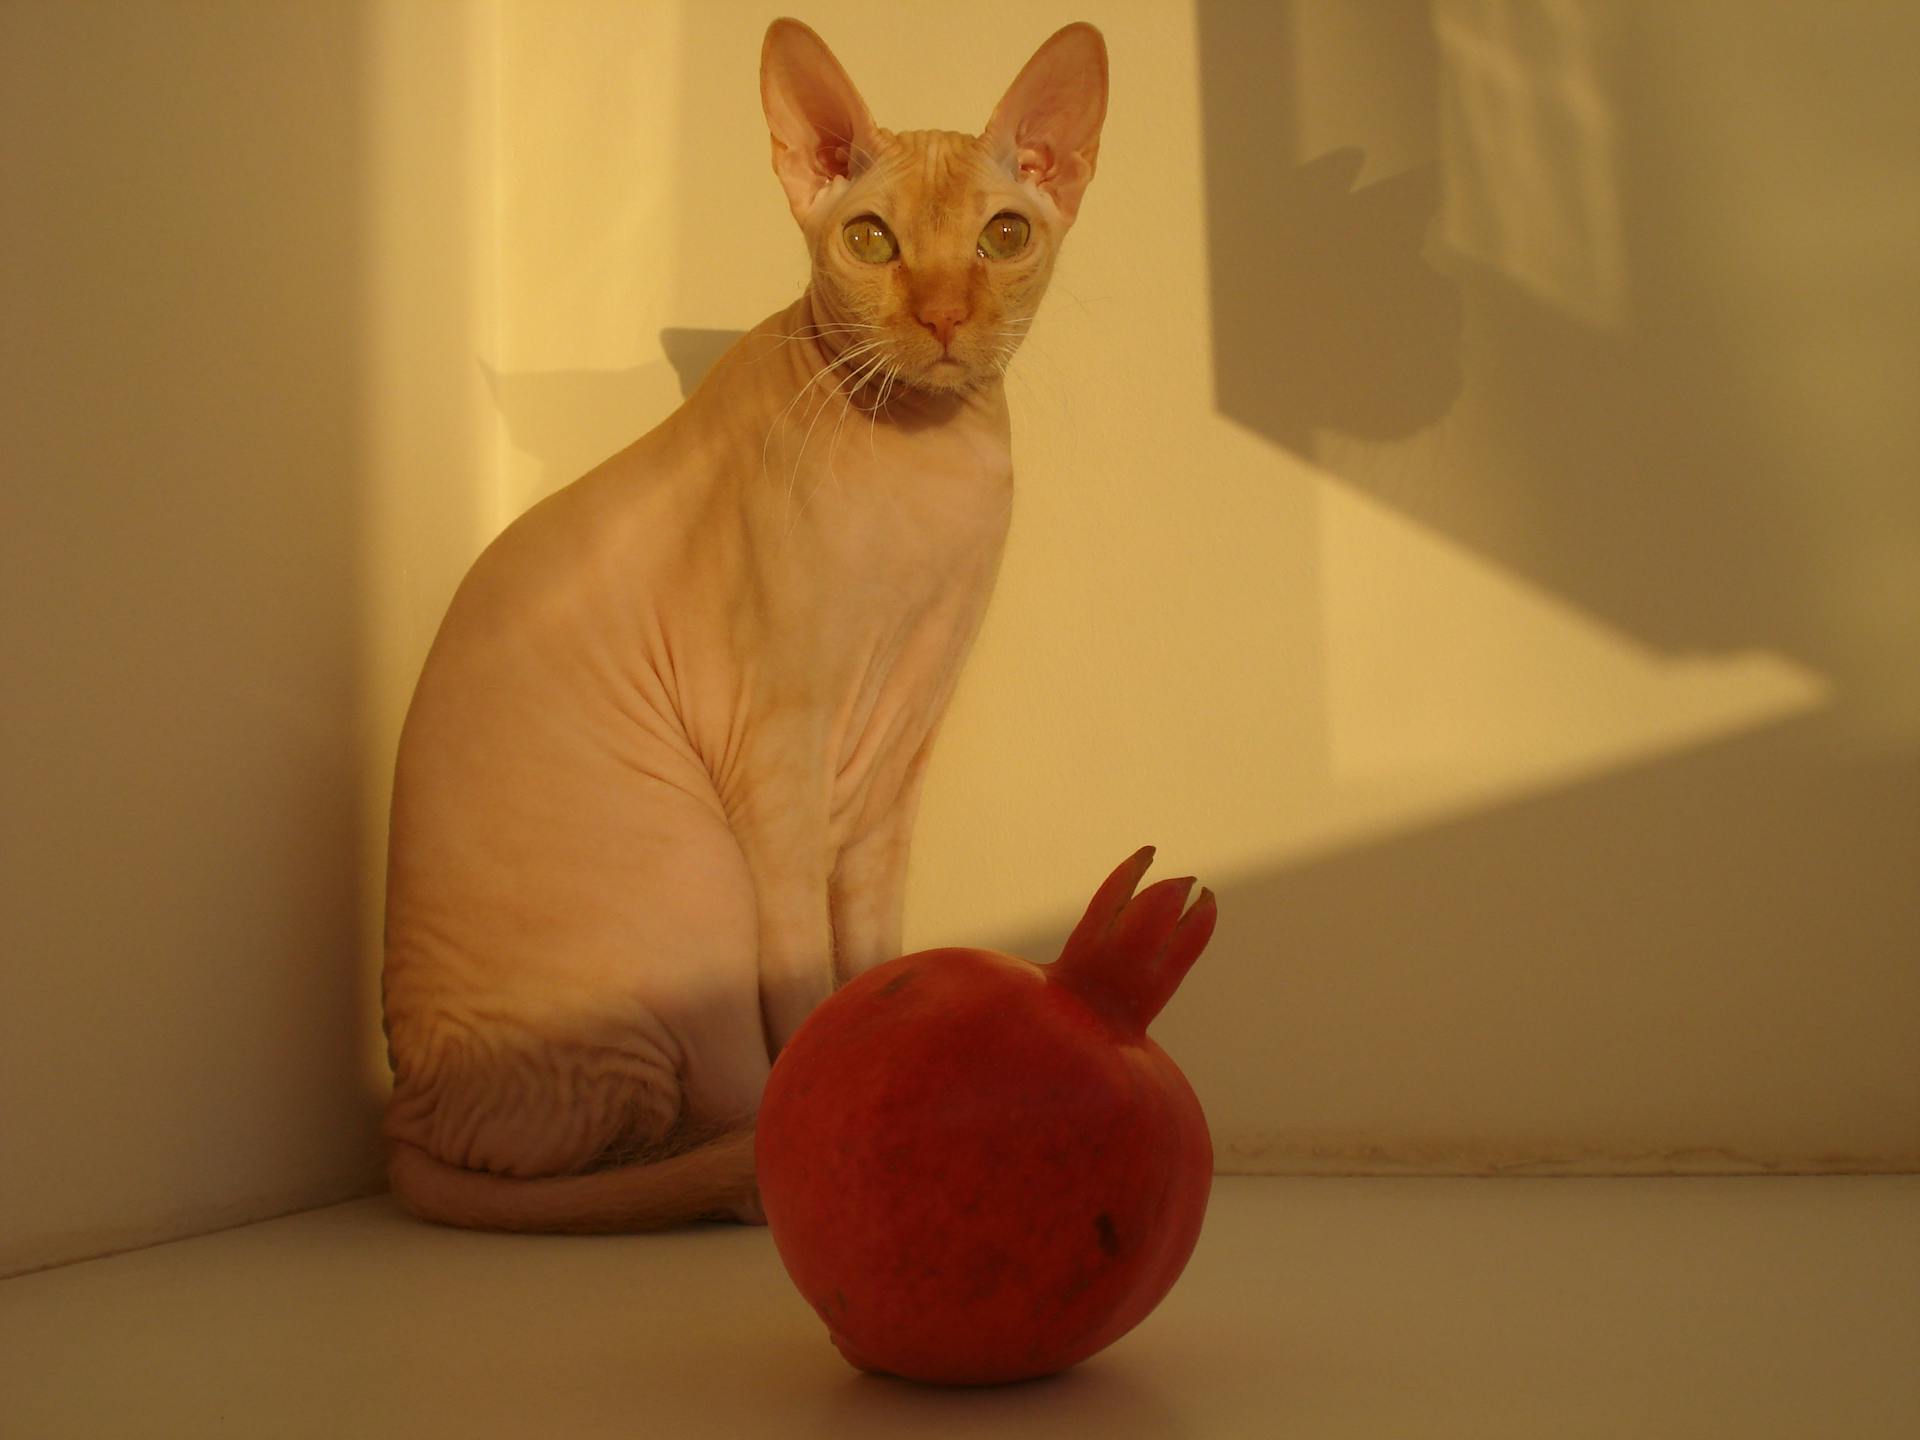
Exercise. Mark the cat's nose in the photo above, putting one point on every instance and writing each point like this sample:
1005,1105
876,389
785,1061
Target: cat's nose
942,320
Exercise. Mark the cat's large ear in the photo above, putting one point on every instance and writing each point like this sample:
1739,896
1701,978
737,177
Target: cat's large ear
821,128
1046,128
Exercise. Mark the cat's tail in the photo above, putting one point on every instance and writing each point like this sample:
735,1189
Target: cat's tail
712,1180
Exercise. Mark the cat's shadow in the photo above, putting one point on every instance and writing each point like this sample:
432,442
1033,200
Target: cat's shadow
567,421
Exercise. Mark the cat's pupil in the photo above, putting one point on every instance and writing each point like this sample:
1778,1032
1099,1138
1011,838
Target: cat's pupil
870,240
1004,236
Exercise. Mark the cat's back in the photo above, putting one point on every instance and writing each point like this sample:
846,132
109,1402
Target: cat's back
549,684
544,777
567,596
547,567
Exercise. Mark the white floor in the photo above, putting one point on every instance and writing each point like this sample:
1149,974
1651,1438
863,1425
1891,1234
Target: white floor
1368,1308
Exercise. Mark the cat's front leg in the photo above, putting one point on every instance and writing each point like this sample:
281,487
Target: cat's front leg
868,890
796,954
784,840
868,896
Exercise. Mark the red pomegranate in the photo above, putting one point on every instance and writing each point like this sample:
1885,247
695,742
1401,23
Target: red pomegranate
978,1169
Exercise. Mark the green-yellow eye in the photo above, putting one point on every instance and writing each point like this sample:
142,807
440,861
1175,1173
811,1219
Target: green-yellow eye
1005,236
869,240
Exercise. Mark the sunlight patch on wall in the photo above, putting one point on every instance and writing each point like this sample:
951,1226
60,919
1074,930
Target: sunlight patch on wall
582,239
1452,685
1528,149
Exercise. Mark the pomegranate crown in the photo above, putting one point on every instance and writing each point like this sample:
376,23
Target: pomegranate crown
1130,952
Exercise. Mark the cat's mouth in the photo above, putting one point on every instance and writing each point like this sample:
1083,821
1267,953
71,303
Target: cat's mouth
948,374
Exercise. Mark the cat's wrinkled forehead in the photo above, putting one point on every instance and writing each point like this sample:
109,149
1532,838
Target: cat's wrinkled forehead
940,176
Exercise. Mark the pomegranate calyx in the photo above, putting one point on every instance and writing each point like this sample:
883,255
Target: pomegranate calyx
1130,952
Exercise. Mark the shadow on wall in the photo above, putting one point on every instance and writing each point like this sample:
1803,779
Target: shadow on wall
1666,406
567,421
1656,972
1325,314
181,1034
692,353
1634,272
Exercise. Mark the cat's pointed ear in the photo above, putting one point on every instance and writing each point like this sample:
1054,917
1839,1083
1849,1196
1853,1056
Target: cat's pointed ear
821,128
1046,128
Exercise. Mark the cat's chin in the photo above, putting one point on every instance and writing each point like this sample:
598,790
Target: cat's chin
947,376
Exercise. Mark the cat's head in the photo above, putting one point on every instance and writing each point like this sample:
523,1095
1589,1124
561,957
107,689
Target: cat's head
930,247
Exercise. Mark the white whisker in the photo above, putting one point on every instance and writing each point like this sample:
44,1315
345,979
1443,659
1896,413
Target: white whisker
781,419
852,352
854,387
873,416
847,387
807,332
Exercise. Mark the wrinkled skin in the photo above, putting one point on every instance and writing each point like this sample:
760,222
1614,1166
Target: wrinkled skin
656,787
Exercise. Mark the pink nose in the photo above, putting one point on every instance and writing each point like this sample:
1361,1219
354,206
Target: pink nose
942,321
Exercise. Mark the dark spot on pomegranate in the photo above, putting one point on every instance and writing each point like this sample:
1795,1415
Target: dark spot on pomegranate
1109,1237
899,983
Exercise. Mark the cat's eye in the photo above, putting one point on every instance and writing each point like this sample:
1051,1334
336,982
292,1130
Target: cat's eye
869,239
1005,236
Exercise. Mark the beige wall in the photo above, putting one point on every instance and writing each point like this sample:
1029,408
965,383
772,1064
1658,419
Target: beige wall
183,335
1466,514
